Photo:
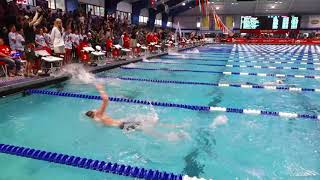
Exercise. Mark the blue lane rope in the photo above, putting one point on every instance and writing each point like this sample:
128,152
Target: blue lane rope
226,73
239,66
232,56
86,163
232,59
176,105
246,61
245,86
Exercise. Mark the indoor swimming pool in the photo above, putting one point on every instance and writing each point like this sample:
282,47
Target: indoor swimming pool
257,117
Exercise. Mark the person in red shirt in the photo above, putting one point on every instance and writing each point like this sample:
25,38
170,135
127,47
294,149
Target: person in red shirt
109,45
149,38
155,38
14,66
126,40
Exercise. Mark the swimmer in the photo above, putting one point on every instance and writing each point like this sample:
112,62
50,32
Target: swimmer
277,82
99,114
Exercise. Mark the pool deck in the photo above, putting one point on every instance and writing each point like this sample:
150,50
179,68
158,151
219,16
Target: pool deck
17,84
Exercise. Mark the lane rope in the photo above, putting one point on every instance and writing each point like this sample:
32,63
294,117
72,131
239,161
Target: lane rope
241,66
87,163
226,73
176,105
246,61
244,86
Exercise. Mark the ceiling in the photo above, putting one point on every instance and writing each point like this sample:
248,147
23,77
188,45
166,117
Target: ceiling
261,7
250,8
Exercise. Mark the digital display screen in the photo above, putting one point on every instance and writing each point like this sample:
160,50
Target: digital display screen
270,22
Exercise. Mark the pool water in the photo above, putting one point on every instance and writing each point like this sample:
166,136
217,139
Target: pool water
244,147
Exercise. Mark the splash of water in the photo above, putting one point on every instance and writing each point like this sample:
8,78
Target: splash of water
79,74
193,51
219,121
144,59
149,123
131,65
172,52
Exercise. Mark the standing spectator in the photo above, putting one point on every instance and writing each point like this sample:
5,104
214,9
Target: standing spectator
20,41
75,43
68,46
12,37
28,29
57,37
47,37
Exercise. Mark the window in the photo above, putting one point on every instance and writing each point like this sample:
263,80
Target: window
198,24
52,4
158,22
96,10
101,11
143,19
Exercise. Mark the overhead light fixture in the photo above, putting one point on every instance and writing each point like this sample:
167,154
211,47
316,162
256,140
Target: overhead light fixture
273,6
183,4
217,8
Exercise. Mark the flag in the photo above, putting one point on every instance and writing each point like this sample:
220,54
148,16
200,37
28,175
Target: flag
220,24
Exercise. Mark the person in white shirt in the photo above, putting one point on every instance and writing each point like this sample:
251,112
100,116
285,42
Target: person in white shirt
20,41
12,37
67,36
76,43
57,37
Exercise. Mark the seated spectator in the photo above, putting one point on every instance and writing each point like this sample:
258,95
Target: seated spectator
41,39
14,66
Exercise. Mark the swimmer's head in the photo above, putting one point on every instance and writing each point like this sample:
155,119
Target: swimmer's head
279,81
90,114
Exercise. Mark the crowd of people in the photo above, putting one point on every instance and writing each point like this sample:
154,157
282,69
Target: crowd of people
65,34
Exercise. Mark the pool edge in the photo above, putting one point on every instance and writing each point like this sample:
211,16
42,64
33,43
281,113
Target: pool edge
45,81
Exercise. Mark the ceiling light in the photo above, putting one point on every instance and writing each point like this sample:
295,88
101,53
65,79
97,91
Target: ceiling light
273,6
183,4
217,8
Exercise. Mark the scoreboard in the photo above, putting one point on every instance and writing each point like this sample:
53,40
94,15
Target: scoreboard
270,22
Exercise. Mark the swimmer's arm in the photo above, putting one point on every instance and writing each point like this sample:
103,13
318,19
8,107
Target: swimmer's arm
105,100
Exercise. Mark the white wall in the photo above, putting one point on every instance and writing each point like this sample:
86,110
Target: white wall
124,6
93,2
186,22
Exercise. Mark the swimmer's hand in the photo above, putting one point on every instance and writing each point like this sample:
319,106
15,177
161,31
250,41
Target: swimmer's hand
99,87
102,92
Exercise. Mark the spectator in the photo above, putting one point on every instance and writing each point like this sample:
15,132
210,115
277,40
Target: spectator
68,46
40,39
14,66
57,37
12,37
29,33
20,41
